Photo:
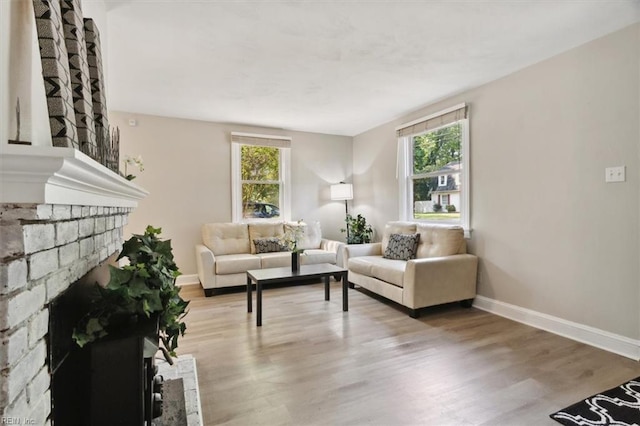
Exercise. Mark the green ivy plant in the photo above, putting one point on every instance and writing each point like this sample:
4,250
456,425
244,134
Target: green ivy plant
358,231
144,288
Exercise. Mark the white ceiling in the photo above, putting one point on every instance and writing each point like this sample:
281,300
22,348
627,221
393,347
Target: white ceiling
337,67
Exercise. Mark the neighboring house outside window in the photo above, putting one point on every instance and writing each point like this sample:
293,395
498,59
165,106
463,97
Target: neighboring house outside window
433,168
260,177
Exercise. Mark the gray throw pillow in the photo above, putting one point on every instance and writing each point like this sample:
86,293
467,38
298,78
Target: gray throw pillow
402,246
268,245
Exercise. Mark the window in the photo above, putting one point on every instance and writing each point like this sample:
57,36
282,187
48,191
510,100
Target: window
260,168
433,168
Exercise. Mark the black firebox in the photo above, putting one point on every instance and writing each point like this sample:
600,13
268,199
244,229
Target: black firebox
112,381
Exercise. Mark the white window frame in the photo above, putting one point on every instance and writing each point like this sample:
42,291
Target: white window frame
442,180
236,185
405,186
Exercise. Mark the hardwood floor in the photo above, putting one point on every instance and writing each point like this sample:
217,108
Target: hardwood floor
312,364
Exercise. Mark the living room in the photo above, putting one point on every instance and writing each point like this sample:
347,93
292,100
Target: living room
558,247
539,276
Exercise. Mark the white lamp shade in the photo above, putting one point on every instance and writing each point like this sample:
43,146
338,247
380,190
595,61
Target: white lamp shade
342,191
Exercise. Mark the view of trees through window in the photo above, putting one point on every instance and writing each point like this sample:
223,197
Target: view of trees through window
261,183
434,154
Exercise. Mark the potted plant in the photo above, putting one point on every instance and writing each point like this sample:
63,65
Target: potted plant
292,235
143,289
358,231
132,161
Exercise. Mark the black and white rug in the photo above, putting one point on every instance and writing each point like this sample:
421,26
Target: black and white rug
619,406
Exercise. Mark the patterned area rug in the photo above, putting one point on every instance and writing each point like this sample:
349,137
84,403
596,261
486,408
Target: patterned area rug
619,406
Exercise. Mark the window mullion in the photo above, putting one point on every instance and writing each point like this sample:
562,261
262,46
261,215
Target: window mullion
266,182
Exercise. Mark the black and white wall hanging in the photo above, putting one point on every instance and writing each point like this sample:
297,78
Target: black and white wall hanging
55,72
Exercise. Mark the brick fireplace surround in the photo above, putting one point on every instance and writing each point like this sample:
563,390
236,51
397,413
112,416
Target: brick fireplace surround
61,214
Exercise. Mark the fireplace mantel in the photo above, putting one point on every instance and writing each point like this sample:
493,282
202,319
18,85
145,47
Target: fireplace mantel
53,175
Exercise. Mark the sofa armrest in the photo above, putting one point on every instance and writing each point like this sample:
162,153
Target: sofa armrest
333,246
357,250
205,261
437,280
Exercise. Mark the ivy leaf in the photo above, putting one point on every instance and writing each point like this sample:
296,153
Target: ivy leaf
138,287
118,277
130,247
93,329
164,248
94,326
152,231
154,301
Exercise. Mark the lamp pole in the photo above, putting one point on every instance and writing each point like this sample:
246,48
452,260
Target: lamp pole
343,191
346,217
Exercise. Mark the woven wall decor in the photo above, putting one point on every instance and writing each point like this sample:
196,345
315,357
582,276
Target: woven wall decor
55,72
73,24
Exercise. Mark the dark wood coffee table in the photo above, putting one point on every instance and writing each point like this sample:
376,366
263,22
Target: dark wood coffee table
285,275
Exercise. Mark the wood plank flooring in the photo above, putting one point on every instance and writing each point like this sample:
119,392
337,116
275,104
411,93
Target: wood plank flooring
312,364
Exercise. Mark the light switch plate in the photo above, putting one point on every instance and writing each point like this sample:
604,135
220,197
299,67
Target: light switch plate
614,174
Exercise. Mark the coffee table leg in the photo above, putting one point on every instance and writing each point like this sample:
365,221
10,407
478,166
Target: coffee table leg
259,303
249,297
345,295
326,287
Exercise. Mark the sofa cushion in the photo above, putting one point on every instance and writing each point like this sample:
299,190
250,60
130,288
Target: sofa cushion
236,263
264,230
275,260
315,256
439,240
311,234
226,238
388,270
362,264
268,245
396,228
402,246
391,271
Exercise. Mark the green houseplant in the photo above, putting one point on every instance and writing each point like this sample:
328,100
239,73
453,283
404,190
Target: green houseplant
143,289
358,231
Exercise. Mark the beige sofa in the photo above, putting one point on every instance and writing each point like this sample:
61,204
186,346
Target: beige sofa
441,272
228,251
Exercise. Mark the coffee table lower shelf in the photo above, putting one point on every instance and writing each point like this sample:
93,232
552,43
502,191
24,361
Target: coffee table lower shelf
286,275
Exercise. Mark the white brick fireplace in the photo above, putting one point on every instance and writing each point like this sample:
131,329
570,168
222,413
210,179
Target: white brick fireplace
61,215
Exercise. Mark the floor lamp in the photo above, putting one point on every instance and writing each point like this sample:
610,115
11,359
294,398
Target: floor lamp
343,191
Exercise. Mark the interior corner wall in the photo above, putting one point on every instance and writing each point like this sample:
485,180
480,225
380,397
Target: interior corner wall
21,75
551,235
187,169
5,34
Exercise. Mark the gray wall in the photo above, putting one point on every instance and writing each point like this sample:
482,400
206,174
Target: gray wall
188,173
551,235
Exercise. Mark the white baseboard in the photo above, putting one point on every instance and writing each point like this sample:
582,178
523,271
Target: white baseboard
187,279
611,342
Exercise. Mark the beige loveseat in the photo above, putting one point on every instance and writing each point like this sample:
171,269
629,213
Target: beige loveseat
228,250
441,271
